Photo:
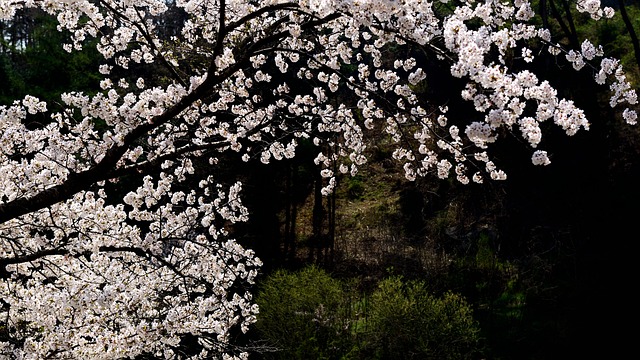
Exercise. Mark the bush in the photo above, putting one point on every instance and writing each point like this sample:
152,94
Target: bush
406,322
355,188
310,315
303,315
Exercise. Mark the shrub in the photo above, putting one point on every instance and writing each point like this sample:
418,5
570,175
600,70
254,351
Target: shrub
406,322
355,188
310,315
302,314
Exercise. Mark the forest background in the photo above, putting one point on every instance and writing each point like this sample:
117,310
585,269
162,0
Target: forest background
540,266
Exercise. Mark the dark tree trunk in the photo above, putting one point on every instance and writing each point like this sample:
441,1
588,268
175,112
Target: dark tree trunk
317,220
632,32
287,213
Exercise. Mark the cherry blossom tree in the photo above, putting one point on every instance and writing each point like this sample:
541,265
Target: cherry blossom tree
88,273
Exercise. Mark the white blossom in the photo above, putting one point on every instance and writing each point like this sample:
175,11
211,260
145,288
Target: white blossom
540,157
630,116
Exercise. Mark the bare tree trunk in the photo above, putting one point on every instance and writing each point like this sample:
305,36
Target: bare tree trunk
317,220
292,233
287,214
3,47
632,32
543,13
331,205
569,30
291,214
573,37
329,242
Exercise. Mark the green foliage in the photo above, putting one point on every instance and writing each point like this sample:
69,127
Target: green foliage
302,314
407,322
498,288
12,80
310,315
485,255
613,35
355,188
44,69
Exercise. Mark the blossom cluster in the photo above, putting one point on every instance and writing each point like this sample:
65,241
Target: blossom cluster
106,289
